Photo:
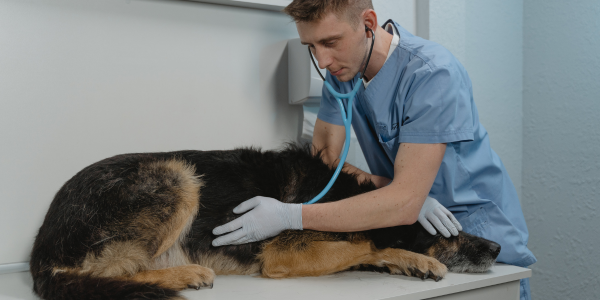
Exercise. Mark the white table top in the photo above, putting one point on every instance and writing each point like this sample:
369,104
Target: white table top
345,285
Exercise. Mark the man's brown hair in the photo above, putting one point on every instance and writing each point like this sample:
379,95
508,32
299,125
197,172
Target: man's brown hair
314,10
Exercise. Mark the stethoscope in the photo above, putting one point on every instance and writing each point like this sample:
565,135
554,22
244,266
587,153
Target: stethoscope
346,116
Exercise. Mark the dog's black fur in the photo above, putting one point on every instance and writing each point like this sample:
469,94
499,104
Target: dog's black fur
100,204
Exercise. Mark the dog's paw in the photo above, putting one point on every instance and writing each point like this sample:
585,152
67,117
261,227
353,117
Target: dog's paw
424,267
195,277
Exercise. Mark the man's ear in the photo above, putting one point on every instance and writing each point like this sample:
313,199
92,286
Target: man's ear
370,19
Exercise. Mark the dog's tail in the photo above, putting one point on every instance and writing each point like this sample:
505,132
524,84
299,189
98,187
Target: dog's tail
70,286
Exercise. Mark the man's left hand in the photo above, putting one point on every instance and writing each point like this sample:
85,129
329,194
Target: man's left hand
434,213
266,217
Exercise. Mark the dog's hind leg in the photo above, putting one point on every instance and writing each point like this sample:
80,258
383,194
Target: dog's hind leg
148,248
311,253
171,267
129,261
178,278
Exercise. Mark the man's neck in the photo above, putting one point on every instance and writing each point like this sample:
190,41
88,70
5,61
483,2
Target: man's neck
383,41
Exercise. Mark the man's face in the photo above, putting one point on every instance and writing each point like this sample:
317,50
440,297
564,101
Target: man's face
336,44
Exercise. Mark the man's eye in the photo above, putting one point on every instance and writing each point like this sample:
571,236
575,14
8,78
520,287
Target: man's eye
330,43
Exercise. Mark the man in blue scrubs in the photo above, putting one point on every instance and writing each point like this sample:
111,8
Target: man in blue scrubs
417,124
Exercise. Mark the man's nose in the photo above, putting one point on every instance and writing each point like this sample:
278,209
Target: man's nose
324,59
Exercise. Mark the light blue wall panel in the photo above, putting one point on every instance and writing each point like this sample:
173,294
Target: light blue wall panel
486,37
561,146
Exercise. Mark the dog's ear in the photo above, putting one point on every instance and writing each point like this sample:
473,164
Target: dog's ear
399,237
423,240
410,237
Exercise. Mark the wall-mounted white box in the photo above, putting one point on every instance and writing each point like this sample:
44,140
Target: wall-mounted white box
304,82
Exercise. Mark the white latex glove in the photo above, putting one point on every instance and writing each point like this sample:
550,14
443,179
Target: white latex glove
434,213
267,217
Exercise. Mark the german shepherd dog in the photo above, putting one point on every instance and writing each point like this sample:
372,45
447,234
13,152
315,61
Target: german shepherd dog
139,226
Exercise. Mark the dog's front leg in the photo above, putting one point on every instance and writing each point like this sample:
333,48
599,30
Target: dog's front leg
318,257
409,263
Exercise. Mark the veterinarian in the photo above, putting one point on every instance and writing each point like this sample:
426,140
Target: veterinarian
417,124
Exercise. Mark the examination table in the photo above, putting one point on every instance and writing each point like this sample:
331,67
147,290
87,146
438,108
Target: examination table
500,283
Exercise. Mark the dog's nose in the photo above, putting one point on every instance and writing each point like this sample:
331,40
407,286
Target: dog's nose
495,248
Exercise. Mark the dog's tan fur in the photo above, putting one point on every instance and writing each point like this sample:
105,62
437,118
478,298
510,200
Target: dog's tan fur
312,253
223,265
178,278
180,177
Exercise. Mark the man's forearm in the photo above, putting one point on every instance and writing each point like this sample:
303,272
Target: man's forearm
399,203
385,207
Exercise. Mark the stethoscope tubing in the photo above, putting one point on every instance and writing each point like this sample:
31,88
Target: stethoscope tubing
346,118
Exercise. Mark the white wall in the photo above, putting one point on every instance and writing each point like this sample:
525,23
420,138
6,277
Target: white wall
84,80
561,146
401,11
487,38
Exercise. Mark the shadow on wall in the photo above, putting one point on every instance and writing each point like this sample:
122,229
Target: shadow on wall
286,119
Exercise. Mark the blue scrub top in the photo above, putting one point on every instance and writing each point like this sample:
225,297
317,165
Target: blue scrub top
423,94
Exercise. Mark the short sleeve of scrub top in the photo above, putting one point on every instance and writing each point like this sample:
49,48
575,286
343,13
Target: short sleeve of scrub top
329,110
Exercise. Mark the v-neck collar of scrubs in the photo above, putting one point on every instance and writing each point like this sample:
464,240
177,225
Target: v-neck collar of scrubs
393,45
378,98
